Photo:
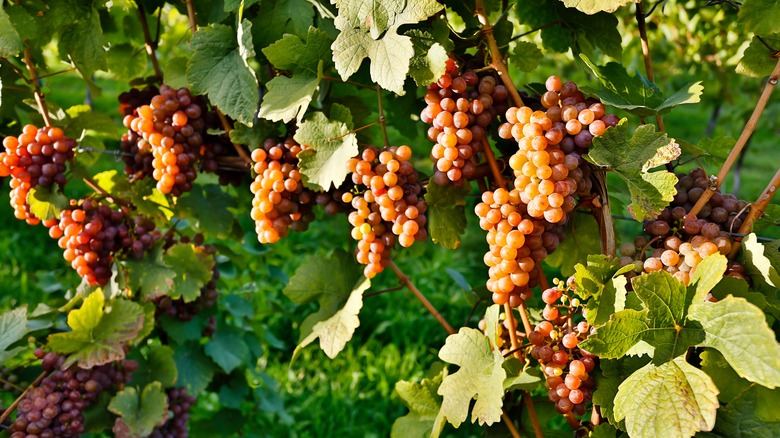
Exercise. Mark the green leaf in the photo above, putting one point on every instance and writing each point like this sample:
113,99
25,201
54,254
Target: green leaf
151,274
227,349
446,213
209,209
650,192
193,266
492,325
337,284
253,136
740,419
611,374
526,56
325,162
288,98
175,72
637,94
726,379
10,43
758,265
424,404
739,331
520,375
280,17
707,275
141,412
582,239
13,327
429,61
757,60
601,281
481,375
614,339
157,366
100,331
593,6
126,61
770,218
84,43
760,16
369,29
46,203
298,56
195,369
217,69
674,399
711,151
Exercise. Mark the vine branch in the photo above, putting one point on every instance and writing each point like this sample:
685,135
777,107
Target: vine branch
497,61
7,412
491,159
404,279
756,209
191,15
92,184
529,405
640,21
750,126
382,115
148,43
239,149
40,99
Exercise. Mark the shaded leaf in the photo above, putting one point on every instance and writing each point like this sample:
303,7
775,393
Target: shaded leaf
526,56
757,61
151,274
10,43
446,213
193,267
424,404
324,162
195,369
228,349
593,6
429,61
157,366
13,327
760,16
141,412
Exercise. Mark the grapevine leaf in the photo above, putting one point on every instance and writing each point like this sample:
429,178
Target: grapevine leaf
227,349
234,5
84,43
147,307
760,16
521,376
481,375
183,331
770,218
614,339
293,54
726,379
424,404
446,213
141,412
209,209
46,203
526,56
148,200
157,366
330,147
195,369
253,136
288,98
369,29
638,95
99,333
576,30
429,61
707,275
650,192
740,419
601,280
125,61
673,399
13,327
739,331
593,6
612,373
711,151
113,182
757,263
492,326
193,270
757,60
10,43
175,72
582,240
151,274
217,69
280,17
337,284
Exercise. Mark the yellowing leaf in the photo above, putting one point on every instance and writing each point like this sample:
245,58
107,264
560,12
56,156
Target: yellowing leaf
481,376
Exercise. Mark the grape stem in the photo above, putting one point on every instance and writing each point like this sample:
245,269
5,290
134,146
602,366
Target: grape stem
498,179
527,327
756,210
529,405
191,15
510,425
574,423
92,184
239,149
510,316
640,21
40,99
357,84
14,386
382,119
148,43
16,402
384,291
497,61
750,126
404,279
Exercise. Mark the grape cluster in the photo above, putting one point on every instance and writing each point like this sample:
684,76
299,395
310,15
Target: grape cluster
548,167
179,403
281,202
680,240
518,242
172,127
92,234
567,368
55,408
37,157
388,207
459,109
